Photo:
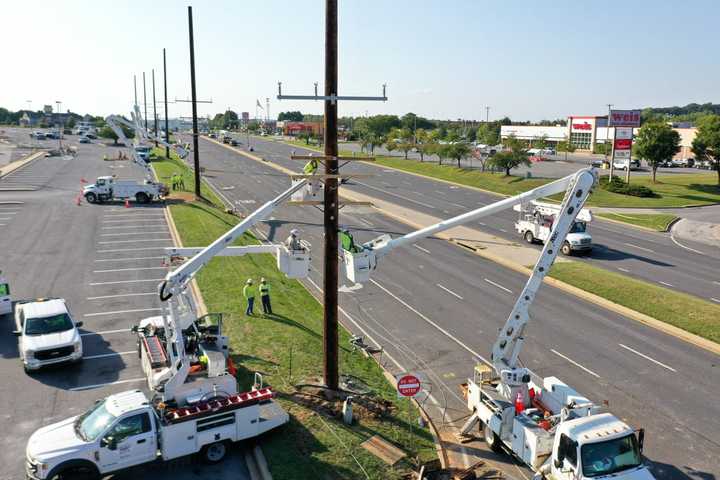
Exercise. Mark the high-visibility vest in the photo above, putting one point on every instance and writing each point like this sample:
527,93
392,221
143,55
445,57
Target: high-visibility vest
264,289
310,167
249,291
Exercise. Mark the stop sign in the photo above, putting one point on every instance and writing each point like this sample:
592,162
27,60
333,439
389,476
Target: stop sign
408,385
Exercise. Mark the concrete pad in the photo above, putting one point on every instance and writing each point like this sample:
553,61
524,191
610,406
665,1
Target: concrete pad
694,230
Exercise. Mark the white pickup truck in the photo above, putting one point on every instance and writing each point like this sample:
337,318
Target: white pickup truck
46,333
535,222
125,430
109,188
5,300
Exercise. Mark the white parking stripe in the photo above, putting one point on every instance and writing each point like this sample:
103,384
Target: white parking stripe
126,227
124,234
498,285
105,332
129,269
122,295
421,248
135,241
639,247
6,212
129,249
128,259
130,221
647,358
98,385
127,281
449,291
134,310
574,363
105,355
135,215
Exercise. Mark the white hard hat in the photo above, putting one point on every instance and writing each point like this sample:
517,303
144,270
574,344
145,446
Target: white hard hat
249,281
294,231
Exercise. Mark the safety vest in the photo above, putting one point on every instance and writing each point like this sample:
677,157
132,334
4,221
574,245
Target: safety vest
248,291
264,289
310,167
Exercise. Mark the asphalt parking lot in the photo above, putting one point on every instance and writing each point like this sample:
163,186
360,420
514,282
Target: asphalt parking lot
106,260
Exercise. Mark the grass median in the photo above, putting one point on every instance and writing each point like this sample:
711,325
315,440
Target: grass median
658,222
684,311
287,349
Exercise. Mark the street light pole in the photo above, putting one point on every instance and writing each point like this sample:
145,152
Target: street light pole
61,125
607,139
167,129
145,100
155,107
487,114
196,154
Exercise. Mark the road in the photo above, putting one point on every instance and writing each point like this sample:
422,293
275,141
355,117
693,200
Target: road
436,308
106,261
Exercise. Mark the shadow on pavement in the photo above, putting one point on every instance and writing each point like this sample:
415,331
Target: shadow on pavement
602,252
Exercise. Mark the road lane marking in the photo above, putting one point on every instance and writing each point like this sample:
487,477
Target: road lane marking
647,358
672,237
482,224
124,234
498,285
503,230
394,194
574,363
449,291
115,312
128,269
421,248
366,222
122,295
128,259
98,385
135,241
666,284
126,281
716,283
714,299
440,192
639,247
624,270
438,327
106,332
105,355
458,205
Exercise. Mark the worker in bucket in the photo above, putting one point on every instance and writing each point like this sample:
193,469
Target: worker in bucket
265,296
249,294
310,167
293,242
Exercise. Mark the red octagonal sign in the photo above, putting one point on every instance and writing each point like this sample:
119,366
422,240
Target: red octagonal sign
408,385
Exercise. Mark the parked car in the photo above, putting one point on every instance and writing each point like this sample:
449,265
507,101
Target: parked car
234,142
91,135
623,164
84,139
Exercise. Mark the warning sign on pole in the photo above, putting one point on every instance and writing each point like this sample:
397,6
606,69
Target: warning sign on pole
408,385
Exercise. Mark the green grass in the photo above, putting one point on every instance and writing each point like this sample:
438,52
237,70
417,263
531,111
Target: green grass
679,309
658,222
287,349
165,168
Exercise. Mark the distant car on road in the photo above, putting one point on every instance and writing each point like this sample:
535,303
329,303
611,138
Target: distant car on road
212,135
623,164
46,333
91,135
234,142
38,135
84,139
536,158
597,163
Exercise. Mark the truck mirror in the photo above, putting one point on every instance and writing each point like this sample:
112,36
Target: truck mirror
78,324
17,333
108,442
641,439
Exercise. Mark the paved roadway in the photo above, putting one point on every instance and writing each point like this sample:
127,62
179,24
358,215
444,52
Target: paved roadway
106,261
436,308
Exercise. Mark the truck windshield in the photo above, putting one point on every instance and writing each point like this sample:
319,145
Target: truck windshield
604,458
92,423
578,227
45,325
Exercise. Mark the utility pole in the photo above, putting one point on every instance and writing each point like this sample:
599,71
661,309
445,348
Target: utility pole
155,107
487,114
607,138
145,100
167,129
196,154
135,87
61,126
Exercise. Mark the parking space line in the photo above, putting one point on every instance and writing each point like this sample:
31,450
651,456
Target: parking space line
574,363
105,355
98,385
449,291
124,234
6,212
498,285
129,249
128,259
120,295
134,241
115,312
420,248
126,227
105,332
647,358
127,281
130,221
135,215
128,269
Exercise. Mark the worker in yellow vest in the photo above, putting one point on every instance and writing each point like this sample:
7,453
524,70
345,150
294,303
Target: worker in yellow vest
265,296
249,294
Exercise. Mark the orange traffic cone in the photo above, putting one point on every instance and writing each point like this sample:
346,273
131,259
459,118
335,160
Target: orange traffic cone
77,200
127,203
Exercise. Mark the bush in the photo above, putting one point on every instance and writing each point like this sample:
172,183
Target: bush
602,148
617,185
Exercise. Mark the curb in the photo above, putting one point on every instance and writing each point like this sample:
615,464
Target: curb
639,227
590,297
17,164
261,463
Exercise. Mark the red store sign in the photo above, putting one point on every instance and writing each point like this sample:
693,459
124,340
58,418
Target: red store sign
581,126
623,144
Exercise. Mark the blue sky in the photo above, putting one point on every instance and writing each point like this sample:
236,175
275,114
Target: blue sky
441,59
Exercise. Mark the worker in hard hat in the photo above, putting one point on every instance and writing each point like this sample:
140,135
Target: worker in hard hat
249,294
265,296
293,242
310,167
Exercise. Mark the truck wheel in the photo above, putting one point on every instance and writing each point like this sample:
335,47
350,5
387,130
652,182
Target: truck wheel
214,453
565,249
529,237
75,472
142,197
90,197
492,440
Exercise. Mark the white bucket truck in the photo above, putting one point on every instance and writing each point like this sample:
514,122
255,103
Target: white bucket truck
108,188
536,219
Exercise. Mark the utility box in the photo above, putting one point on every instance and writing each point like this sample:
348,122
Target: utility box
530,442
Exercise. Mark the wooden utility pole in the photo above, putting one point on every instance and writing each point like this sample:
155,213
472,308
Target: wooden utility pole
330,277
167,128
145,100
154,107
196,153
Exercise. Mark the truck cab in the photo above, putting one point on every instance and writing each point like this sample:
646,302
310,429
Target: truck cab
5,300
142,152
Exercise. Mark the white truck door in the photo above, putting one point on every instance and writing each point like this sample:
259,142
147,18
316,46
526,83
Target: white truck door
131,441
5,302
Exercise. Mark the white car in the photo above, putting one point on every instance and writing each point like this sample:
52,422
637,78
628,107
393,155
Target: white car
46,333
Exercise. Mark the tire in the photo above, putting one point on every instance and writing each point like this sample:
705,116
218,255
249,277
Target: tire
529,237
76,472
565,249
142,197
214,453
492,440
91,197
